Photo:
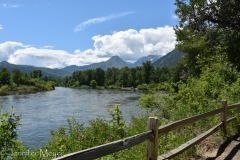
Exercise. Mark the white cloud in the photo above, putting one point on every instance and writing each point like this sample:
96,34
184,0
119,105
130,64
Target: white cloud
7,49
1,27
48,47
129,45
5,5
99,20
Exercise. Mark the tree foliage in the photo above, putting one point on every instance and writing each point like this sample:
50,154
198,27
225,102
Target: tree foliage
8,132
126,77
208,31
5,76
16,76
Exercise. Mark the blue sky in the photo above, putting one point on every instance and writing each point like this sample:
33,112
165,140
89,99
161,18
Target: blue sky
59,33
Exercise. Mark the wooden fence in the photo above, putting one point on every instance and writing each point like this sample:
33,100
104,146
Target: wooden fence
151,137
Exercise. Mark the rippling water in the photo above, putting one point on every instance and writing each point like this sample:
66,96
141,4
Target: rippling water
44,111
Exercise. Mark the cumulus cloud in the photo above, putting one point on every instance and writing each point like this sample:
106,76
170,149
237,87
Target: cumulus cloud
7,49
131,44
99,20
1,27
128,45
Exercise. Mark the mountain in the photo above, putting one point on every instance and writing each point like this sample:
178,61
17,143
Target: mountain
45,71
115,61
151,58
169,59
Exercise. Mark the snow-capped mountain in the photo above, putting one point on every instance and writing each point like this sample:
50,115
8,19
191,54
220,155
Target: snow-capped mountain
151,58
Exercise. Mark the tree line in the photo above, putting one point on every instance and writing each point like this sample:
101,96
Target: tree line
18,77
124,77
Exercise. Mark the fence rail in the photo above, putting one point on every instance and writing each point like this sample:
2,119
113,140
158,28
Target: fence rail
152,134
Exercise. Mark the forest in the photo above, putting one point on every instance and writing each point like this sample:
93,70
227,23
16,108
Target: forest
209,33
114,78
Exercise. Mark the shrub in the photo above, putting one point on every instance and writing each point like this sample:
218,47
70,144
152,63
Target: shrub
142,87
4,90
8,132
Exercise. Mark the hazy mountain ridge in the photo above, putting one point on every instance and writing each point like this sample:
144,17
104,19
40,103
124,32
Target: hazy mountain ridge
115,61
45,71
169,59
151,58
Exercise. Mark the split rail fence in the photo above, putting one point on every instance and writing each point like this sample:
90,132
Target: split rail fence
152,134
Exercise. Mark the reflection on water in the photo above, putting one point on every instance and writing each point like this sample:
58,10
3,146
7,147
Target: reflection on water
44,111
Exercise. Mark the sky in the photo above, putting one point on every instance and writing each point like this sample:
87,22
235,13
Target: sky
60,33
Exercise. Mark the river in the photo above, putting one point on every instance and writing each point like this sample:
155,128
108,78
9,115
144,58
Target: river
43,111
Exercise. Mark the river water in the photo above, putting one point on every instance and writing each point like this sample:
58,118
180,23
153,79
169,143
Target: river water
44,111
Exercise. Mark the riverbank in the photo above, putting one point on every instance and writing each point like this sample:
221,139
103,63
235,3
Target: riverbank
26,89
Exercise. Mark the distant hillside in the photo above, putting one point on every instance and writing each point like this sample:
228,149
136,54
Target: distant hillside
28,69
169,59
151,58
115,61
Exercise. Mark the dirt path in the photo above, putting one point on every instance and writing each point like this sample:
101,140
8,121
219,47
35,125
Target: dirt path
230,149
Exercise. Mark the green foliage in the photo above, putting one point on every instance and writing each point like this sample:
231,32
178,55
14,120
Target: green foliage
112,87
4,90
142,87
148,71
208,32
194,97
118,124
99,76
124,77
4,77
16,76
8,132
36,74
93,83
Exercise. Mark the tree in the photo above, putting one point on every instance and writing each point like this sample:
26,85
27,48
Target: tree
123,76
80,77
89,76
99,76
93,83
25,78
147,71
111,76
139,75
5,77
17,76
132,77
8,132
162,74
36,74
208,31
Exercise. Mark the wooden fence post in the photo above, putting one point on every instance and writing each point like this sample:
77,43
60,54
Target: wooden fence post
152,144
224,116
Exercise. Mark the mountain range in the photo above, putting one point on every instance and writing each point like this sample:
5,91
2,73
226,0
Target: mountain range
26,68
152,58
169,59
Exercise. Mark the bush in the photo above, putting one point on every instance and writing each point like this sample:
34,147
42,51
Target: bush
8,132
93,83
4,90
142,87
196,96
